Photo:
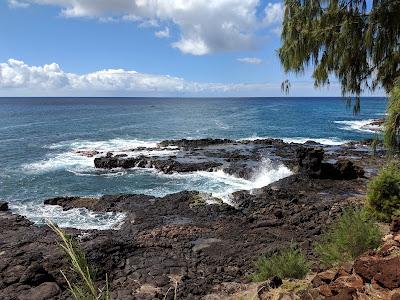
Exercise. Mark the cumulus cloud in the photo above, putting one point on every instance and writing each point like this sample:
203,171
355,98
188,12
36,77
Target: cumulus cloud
250,60
162,34
204,26
17,76
17,4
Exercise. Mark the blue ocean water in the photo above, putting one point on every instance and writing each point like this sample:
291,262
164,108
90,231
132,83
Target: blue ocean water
40,136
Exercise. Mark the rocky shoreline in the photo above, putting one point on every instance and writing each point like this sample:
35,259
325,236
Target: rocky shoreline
191,239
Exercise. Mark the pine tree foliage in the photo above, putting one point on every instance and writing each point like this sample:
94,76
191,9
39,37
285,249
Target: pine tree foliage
358,41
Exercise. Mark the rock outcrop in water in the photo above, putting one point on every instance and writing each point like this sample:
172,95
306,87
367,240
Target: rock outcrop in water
207,250
310,164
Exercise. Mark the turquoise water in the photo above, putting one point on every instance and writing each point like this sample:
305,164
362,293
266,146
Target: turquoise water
40,136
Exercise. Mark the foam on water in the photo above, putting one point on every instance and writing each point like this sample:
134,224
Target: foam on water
301,140
79,218
73,161
218,183
360,125
222,185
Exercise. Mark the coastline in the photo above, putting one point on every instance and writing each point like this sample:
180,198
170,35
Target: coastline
195,237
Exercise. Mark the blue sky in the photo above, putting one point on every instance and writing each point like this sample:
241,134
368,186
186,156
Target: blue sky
144,48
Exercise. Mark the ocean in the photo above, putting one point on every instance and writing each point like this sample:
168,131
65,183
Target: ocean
40,137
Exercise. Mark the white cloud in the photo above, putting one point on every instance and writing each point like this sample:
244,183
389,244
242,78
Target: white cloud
20,79
162,34
205,26
17,4
273,14
17,77
250,60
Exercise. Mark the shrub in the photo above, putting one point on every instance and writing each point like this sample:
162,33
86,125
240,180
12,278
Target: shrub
383,197
348,237
392,122
289,263
80,280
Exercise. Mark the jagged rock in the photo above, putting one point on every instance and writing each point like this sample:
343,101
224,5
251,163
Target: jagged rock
385,271
395,226
3,206
309,161
184,143
310,164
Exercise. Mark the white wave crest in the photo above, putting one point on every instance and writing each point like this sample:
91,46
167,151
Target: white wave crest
108,145
222,185
360,125
73,160
79,218
332,141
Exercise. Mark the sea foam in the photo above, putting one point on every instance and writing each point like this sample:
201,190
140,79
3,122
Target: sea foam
79,218
360,125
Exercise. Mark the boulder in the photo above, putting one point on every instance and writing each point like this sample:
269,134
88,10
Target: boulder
385,271
47,290
3,206
310,163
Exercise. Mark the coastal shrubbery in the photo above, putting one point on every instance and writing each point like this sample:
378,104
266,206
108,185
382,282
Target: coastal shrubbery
288,263
80,279
349,236
383,196
392,122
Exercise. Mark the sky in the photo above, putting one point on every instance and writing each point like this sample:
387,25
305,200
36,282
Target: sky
146,48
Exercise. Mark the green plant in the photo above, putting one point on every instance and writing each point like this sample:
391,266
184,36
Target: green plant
374,144
288,263
349,236
392,122
383,196
80,279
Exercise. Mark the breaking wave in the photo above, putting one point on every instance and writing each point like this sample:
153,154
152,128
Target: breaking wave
79,218
366,126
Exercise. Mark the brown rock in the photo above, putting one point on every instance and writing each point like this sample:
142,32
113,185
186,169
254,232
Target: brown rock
395,226
395,296
352,281
344,294
325,290
386,272
389,247
324,277
397,238
345,269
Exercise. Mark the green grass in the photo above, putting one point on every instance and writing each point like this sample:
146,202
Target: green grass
383,196
349,236
80,277
289,263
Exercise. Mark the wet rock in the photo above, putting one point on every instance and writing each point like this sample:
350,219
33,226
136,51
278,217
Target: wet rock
184,143
181,235
310,164
3,206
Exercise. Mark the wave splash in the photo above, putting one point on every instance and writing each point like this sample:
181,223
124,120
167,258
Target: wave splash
367,126
331,141
79,218
218,183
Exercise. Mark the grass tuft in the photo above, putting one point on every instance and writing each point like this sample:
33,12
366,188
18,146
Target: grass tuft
289,263
80,279
349,236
